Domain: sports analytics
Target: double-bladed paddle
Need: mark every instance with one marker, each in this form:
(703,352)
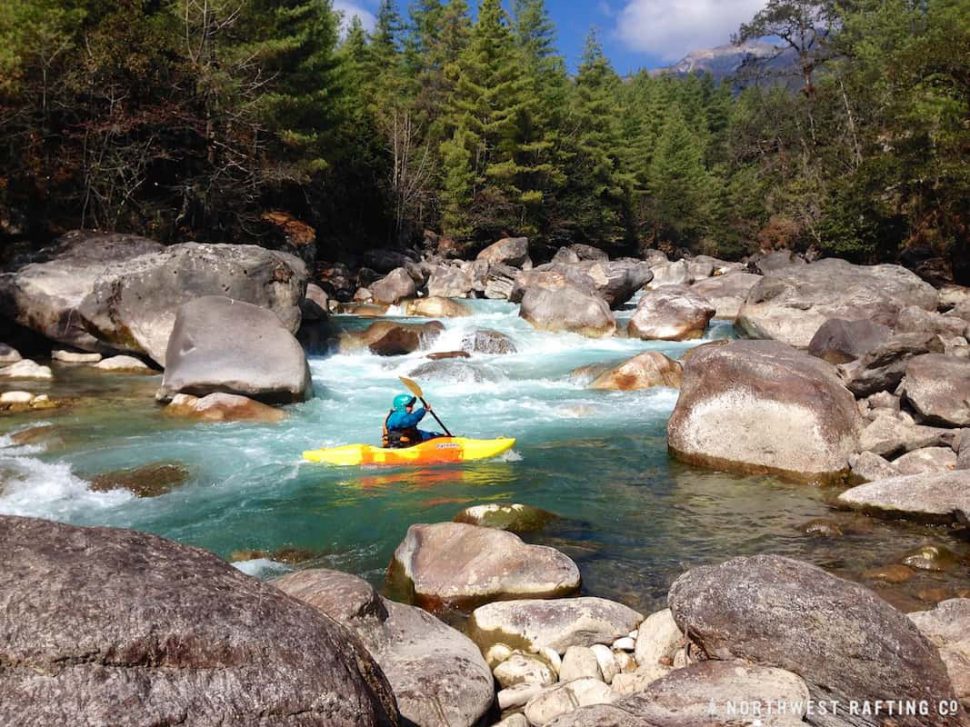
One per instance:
(413,387)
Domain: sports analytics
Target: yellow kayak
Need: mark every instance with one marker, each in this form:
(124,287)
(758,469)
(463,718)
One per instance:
(434,451)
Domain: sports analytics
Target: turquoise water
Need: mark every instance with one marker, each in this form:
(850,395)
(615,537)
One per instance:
(632,518)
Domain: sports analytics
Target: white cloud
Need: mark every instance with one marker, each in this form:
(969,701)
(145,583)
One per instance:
(672,28)
(349,10)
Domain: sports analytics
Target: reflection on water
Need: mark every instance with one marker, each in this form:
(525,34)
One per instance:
(632,518)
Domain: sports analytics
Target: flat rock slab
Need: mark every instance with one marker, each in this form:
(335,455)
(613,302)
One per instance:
(437,674)
(109,626)
(531,624)
(708,694)
(843,640)
(453,565)
(764,407)
(943,497)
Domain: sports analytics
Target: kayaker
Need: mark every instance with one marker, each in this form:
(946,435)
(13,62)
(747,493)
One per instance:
(401,423)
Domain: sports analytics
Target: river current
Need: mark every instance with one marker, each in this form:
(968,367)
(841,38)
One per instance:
(631,517)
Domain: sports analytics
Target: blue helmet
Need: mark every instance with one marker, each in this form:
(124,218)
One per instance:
(402,401)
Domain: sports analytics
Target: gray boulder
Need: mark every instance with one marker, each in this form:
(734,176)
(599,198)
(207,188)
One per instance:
(889,435)
(8,354)
(670,273)
(394,287)
(671,313)
(512,251)
(938,389)
(567,308)
(926,461)
(843,640)
(498,281)
(614,281)
(726,292)
(839,341)
(792,303)
(560,623)
(485,340)
(762,406)
(450,281)
(133,303)
(917,320)
(437,674)
(940,498)
(769,262)
(45,296)
(869,467)
(107,626)
(224,345)
(453,565)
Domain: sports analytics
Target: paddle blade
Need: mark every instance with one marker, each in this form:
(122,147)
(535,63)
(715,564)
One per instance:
(412,386)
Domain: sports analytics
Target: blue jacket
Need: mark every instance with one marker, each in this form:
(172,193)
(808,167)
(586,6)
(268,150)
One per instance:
(400,420)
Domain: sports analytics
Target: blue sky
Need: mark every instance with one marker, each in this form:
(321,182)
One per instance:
(634,33)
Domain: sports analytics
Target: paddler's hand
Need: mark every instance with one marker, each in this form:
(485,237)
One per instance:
(428,407)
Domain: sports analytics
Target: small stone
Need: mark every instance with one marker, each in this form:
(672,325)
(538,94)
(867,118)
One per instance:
(518,696)
(625,663)
(607,664)
(638,680)
(625,644)
(633,634)
(659,637)
(496,654)
(823,528)
(931,558)
(524,669)
(895,573)
(16,397)
(8,354)
(580,663)
(552,658)
(26,369)
(124,363)
(514,720)
(75,356)
(566,697)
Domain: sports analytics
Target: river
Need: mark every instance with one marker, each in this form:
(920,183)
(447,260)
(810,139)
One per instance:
(631,517)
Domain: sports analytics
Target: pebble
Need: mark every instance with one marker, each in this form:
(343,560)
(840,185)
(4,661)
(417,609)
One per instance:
(580,663)
(496,654)
(518,696)
(16,397)
(75,356)
(552,657)
(624,662)
(625,644)
(607,664)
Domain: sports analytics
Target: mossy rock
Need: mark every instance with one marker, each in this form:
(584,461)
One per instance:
(515,518)
(935,558)
(149,481)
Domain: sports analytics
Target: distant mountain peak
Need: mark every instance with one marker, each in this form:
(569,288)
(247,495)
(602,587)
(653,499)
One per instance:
(725,60)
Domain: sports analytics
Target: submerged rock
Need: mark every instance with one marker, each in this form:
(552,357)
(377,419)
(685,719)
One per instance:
(150,480)
(936,558)
(644,371)
(437,674)
(531,624)
(514,517)
(26,369)
(227,346)
(485,340)
(456,370)
(222,407)
(386,338)
(842,639)
(457,566)
(763,407)
(99,619)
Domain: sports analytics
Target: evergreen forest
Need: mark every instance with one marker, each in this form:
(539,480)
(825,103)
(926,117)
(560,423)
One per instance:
(213,120)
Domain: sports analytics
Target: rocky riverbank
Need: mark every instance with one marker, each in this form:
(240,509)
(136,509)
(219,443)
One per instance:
(857,376)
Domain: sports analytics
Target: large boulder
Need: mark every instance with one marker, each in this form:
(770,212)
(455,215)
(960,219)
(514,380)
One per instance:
(643,371)
(842,639)
(106,626)
(670,273)
(453,565)
(839,341)
(387,338)
(532,624)
(509,251)
(450,281)
(671,313)
(567,308)
(943,497)
(614,281)
(792,303)
(133,303)
(727,292)
(224,345)
(762,406)
(393,287)
(437,674)
(938,388)
(485,340)
(45,296)
(948,628)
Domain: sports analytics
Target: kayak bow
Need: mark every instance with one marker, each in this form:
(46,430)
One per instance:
(435,451)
